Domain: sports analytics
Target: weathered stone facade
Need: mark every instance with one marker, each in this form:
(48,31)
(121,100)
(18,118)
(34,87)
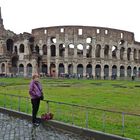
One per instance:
(95,51)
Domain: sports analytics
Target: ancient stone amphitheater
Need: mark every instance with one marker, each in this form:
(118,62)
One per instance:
(95,52)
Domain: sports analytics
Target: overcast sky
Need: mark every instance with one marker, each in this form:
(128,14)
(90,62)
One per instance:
(23,15)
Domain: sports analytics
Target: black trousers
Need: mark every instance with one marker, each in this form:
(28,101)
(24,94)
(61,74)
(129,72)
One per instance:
(35,107)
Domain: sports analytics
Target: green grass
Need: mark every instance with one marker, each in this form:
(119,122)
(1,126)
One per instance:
(116,95)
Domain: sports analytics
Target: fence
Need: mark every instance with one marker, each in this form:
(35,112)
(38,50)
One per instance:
(119,123)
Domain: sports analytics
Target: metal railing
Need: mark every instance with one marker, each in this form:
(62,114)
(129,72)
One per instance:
(120,123)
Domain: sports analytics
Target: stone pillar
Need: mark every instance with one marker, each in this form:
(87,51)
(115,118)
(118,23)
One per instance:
(132,55)
(125,72)
(57,50)
(48,68)
(93,51)
(118,53)
(56,69)
(66,51)
(125,55)
(74,68)
(75,51)
(102,72)
(25,71)
(34,66)
(66,67)
(102,52)
(118,71)
(84,51)
(110,71)
(84,70)
(110,52)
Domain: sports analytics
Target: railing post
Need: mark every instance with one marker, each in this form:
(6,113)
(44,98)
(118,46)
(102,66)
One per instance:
(26,105)
(104,118)
(11,101)
(123,120)
(86,118)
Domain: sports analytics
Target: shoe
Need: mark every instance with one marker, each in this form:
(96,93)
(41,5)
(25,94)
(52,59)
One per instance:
(36,124)
(38,120)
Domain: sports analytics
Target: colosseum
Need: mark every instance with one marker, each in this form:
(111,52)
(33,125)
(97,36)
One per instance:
(53,51)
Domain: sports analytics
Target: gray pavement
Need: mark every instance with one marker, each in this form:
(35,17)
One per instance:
(17,129)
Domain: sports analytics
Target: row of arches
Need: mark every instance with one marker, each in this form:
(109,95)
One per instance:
(89,69)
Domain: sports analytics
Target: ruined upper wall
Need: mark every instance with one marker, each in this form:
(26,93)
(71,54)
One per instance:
(100,33)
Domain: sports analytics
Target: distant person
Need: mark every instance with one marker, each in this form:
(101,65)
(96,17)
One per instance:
(35,91)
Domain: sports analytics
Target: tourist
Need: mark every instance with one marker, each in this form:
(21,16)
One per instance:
(35,91)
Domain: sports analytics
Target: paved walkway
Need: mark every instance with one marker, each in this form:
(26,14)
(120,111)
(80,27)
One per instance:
(16,129)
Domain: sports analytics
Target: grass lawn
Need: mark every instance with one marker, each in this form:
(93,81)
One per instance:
(116,95)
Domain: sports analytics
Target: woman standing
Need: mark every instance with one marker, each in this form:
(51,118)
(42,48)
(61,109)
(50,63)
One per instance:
(35,91)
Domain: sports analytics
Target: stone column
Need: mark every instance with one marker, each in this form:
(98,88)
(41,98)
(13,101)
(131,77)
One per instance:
(125,55)
(102,71)
(110,71)
(102,52)
(74,68)
(118,53)
(66,67)
(25,71)
(132,55)
(84,51)
(48,68)
(93,51)
(66,51)
(57,50)
(118,71)
(56,69)
(75,51)
(110,52)
(84,70)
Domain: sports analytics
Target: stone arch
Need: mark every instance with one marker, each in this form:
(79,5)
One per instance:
(80,69)
(21,69)
(129,70)
(14,64)
(128,53)
(44,48)
(114,52)
(122,53)
(21,48)
(29,69)
(106,51)
(53,39)
(98,51)
(114,71)
(53,50)
(61,69)
(9,45)
(70,49)
(122,71)
(88,51)
(52,70)
(98,71)
(89,69)
(61,50)
(44,68)
(3,68)
(135,71)
(106,71)
(80,50)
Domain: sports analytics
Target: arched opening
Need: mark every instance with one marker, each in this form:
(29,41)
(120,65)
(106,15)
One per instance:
(106,51)
(53,50)
(80,69)
(61,69)
(128,53)
(121,42)
(106,71)
(44,48)
(129,71)
(88,40)
(122,53)
(98,50)
(88,51)
(21,48)
(3,68)
(98,71)
(44,69)
(80,50)
(114,72)
(14,65)
(70,69)
(135,54)
(135,71)
(114,52)
(29,69)
(15,48)
(70,50)
(37,49)
(21,69)
(52,70)
(9,45)
(89,70)
(122,71)
(53,39)
(61,50)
